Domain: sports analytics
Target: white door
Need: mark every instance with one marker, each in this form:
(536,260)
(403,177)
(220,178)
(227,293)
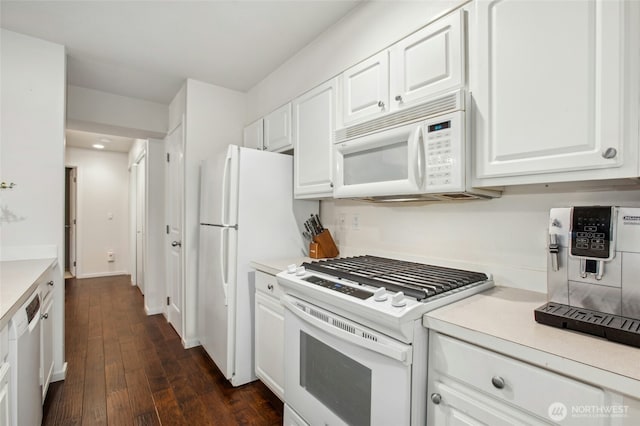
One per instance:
(365,89)
(140,221)
(46,346)
(175,207)
(428,62)
(313,127)
(73,197)
(253,135)
(546,85)
(277,129)
(269,342)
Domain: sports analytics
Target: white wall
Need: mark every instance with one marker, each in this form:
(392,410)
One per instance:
(103,191)
(506,236)
(100,112)
(32,155)
(366,30)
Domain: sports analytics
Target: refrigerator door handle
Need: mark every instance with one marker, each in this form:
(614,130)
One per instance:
(224,254)
(226,189)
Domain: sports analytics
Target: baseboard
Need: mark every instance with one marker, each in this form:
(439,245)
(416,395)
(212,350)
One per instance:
(154,311)
(59,375)
(191,343)
(102,274)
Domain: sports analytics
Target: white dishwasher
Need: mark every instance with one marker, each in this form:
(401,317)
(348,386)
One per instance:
(24,359)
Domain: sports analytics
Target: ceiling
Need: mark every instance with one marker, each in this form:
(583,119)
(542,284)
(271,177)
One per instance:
(80,139)
(146,49)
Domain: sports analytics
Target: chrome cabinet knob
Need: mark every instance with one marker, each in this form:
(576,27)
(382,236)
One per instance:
(381,104)
(50,283)
(436,398)
(497,382)
(399,98)
(610,153)
(45,316)
(176,244)
(270,287)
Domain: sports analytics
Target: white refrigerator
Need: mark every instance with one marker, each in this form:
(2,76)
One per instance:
(247,212)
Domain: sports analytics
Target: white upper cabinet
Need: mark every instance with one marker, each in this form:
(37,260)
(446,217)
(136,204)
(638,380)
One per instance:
(277,129)
(253,135)
(554,90)
(313,126)
(365,89)
(428,62)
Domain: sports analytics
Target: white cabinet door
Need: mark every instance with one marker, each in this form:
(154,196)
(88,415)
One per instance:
(5,414)
(46,346)
(269,335)
(365,89)
(253,135)
(547,85)
(429,61)
(313,132)
(277,129)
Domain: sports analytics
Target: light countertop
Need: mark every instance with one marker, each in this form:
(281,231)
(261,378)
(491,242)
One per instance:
(18,280)
(501,319)
(274,266)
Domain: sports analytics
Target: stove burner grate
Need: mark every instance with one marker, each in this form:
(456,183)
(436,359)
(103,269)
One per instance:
(416,280)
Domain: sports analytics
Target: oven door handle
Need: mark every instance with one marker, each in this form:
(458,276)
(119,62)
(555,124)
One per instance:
(396,351)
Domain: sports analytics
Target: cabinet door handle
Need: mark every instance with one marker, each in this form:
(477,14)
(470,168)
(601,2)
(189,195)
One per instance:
(176,244)
(45,316)
(381,104)
(270,287)
(497,382)
(436,398)
(610,153)
(398,98)
(50,283)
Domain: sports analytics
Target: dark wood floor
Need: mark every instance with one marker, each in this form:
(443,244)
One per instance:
(126,368)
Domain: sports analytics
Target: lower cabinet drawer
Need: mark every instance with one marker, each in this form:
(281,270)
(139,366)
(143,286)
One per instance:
(268,284)
(529,388)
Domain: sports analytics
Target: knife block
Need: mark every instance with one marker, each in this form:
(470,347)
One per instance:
(323,246)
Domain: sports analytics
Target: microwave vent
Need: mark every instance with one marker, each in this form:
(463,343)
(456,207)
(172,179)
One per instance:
(450,102)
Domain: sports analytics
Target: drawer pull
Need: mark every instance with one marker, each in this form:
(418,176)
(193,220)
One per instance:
(497,382)
(436,398)
(270,287)
(50,283)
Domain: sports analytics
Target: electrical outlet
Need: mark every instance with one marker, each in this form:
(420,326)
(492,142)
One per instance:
(355,222)
(111,257)
(342,222)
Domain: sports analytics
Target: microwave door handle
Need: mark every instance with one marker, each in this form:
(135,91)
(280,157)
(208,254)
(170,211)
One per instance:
(417,140)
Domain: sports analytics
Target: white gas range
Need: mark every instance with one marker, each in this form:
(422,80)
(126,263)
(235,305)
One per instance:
(354,337)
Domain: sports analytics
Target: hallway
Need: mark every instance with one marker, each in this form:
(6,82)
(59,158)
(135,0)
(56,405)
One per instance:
(126,368)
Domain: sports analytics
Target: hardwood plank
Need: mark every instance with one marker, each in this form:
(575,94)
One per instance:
(125,367)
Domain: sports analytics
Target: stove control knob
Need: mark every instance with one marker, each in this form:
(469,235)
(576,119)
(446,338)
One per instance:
(398,300)
(300,271)
(380,295)
(291,269)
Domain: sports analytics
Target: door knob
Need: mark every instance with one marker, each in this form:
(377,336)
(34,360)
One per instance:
(176,244)
(436,398)
(610,153)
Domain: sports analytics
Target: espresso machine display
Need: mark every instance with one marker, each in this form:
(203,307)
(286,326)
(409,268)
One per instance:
(593,272)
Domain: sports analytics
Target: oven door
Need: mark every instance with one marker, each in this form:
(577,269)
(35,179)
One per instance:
(341,373)
(386,163)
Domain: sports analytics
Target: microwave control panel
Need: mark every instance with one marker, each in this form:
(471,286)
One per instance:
(592,232)
(444,152)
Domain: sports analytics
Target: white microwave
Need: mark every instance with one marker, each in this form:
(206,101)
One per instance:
(423,160)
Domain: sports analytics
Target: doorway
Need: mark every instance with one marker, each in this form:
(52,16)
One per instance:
(70,221)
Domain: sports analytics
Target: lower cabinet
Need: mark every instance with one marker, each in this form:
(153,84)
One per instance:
(269,333)
(46,345)
(4,393)
(469,385)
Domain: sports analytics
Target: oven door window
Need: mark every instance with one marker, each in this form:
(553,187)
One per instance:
(340,383)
